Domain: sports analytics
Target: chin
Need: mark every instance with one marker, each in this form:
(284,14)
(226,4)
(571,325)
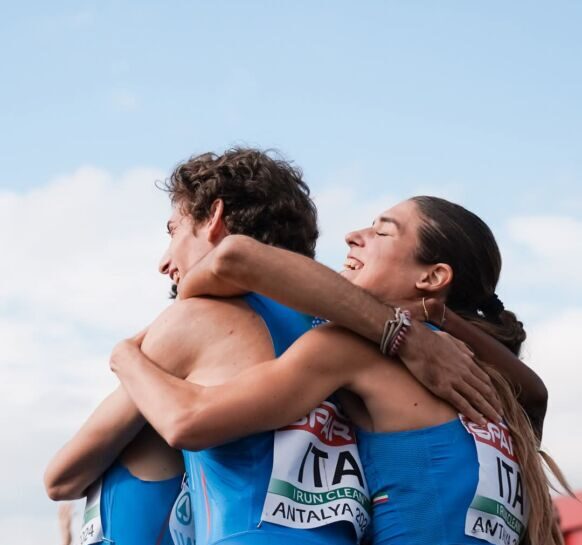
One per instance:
(350,275)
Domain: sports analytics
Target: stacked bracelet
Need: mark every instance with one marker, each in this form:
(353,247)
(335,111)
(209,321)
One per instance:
(395,332)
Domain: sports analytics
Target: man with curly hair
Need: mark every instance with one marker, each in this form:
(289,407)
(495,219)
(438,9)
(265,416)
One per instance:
(242,191)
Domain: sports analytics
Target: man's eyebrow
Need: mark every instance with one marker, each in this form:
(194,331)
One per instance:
(386,219)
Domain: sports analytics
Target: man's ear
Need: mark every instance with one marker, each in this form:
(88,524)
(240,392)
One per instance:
(435,278)
(216,227)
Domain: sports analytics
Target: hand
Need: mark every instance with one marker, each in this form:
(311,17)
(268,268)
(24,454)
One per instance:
(204,277)
(124,351)
(446,366)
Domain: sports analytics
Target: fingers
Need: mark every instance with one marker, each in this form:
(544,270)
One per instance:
(465,408)
(474,384)
(480,381)
(478,402)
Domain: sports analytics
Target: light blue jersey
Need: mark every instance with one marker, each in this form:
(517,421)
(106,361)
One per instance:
(422,483)
(136,512)
(231,480)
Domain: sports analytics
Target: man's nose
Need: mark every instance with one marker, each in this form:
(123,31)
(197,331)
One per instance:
(164,266)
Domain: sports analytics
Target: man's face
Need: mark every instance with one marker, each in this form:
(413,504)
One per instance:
(188,245)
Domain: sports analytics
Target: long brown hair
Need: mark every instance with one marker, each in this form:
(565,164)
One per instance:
(451,234)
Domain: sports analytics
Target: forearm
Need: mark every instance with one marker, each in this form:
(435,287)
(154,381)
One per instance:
(299,282)
(263,397)
(162,398)
(93,448)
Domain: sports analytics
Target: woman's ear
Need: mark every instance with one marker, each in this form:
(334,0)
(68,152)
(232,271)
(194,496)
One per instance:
(435,278)
(216,227)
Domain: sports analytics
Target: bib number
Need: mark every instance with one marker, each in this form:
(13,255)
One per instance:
(317,476)
(182,518)
(92,530)
(499,511)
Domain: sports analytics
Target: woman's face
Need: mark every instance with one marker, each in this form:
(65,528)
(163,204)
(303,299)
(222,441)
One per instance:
(382,259)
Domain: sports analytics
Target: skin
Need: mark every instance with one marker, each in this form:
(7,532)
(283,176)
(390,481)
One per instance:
(192,338)
(379,394)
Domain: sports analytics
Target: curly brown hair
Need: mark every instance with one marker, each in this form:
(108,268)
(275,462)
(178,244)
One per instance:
(264,196)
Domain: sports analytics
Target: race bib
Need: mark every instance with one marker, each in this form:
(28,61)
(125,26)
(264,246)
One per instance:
(317,476)
(92,531)
(499,511)
(182,517)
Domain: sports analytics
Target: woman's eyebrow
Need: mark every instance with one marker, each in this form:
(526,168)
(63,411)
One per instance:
(387,219)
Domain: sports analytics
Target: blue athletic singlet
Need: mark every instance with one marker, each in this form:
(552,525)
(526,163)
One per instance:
(231,481)
(421,483)
(136,512)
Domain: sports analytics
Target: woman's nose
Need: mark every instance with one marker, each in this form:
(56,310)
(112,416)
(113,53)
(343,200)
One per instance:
(355,238)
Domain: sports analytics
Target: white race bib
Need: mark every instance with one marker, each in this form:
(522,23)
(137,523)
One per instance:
(92,530)
(317,476)
(182,518)
(499,511)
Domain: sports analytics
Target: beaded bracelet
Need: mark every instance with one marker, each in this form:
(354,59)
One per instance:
(395,332)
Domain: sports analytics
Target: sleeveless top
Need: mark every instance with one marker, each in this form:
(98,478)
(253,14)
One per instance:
(135,512)
(230,481)
(422,483)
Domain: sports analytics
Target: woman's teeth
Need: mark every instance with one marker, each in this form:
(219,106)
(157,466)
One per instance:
(353,264)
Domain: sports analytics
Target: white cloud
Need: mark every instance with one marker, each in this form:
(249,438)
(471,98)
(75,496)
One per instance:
(545,250)
(82,244)
(80,273)
(553,351)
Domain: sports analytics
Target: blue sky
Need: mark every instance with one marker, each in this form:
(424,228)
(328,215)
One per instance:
(485,94)
(475,101)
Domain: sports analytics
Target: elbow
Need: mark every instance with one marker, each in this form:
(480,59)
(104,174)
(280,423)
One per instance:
(62,493)
(539,399)
(62,489)
(183,432)
(536,408)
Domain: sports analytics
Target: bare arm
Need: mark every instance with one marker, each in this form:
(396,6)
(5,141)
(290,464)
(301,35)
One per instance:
(241,264)
(93,448)
(112,426)
(191,416)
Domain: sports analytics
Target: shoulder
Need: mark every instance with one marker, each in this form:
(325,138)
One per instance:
(197,311)
(187,325)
